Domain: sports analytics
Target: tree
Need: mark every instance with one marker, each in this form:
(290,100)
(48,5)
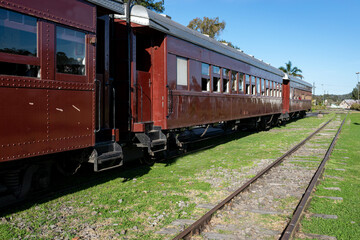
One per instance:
(150,4)
(354,93)
(294,71)
(209,26)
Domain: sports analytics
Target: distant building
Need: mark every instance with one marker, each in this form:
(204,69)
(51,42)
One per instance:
(347,103)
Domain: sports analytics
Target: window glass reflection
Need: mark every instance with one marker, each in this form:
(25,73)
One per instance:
(233,81)
(18,33)
(216,70)
(241,78)
(15,69)
(70,51)
(205,69)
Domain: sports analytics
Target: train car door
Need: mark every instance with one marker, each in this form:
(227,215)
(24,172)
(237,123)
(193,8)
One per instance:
(143,77)
(104,82)
(143,92)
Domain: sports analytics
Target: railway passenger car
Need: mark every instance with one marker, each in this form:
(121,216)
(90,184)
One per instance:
(81,83)
(183,78)
(51,53)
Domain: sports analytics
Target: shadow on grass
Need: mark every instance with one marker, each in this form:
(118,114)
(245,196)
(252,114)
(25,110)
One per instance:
(86,178)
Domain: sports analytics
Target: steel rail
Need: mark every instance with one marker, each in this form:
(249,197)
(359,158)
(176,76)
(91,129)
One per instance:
(291,228)
(198,226)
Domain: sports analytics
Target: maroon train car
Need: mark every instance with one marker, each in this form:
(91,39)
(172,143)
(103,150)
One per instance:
(300,96)
(48,68)
(182,78)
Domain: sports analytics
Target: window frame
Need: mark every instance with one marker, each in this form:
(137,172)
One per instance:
(241,83)
(247,84)
(225,77)
(253,85)
(262,91)
(207,77)
(183,87)
(23,59)
(235,82)
(68,77)
(219,81)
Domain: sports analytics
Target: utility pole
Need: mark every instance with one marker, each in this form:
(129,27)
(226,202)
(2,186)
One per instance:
(314,87)
(358,83)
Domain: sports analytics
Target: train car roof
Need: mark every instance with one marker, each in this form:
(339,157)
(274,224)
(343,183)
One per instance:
(115,6)
(297,80)
(145,17)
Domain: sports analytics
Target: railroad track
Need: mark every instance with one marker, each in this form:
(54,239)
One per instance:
(262,207)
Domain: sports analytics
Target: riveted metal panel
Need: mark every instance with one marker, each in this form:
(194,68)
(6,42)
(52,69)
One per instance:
(40,121)
(23,120)
(70,114)
(78,14)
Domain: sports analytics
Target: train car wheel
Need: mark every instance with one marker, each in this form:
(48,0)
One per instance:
(148,160)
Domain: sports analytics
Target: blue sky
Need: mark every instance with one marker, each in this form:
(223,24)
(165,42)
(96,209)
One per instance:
(321,37)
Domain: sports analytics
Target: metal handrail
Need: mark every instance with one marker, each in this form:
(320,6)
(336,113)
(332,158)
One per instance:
(99,107)
(170,102)
(141,106)
(141,103)
(114,107)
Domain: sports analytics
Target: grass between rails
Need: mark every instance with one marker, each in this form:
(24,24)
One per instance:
(135,203)
(345,156)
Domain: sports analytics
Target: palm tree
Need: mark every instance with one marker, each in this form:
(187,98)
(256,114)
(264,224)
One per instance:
(291,70)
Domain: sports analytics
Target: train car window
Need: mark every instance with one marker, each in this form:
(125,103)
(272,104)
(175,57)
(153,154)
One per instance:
(18,36)
(182,71)
(241,81)
(271,85)
(253,82)
(216,84)
(216,79)
(263,87)
(247,84)
(18,33)
(15,69)
(226,80)
(205,84)
(205,69)
(70,51)
(280,90)
(258,80)
(234,80)
(216,70)
(205,78)
(267,92)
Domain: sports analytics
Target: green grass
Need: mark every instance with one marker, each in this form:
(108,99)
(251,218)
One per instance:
(136,198)
(347,226)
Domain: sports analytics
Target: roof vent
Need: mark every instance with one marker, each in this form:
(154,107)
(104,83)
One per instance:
(164,15)
(225,43)
(251,55)
(207,35)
